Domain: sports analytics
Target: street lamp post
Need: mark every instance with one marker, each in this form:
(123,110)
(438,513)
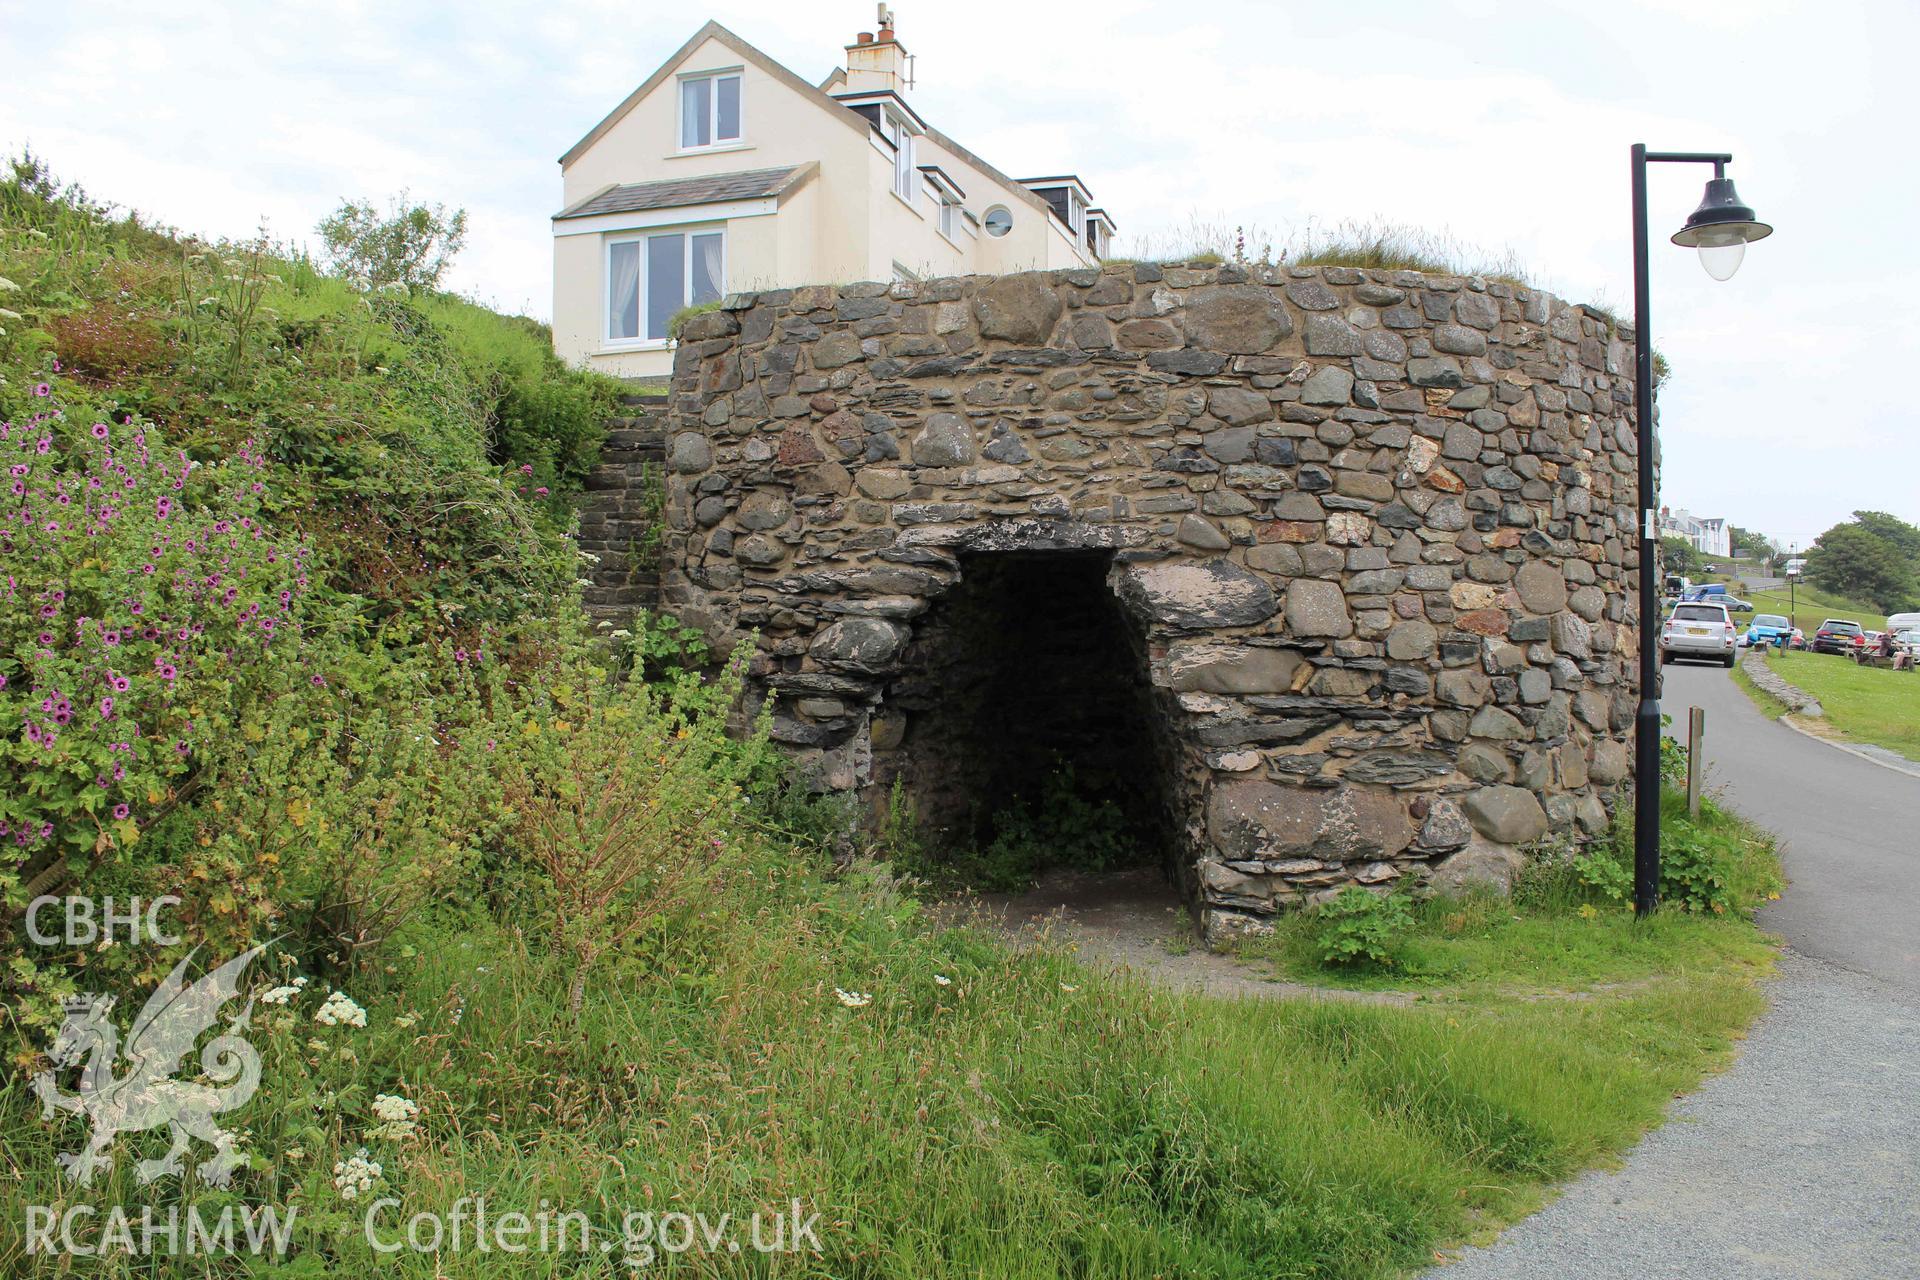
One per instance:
(1720,229)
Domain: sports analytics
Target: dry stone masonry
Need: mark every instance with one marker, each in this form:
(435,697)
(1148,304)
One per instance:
(1337,563)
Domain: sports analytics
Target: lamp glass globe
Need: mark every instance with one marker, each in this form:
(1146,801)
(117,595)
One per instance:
(1722,260)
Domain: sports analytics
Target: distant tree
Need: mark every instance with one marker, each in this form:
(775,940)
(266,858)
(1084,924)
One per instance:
(1677,555)
(411,246)
(1904,537)
(1851,560)
(1757,545)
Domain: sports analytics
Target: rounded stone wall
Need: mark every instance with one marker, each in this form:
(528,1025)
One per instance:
(1372,533)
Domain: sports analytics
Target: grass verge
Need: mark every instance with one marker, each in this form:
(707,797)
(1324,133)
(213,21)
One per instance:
(1768,705)
(1868,704)
(1569,926)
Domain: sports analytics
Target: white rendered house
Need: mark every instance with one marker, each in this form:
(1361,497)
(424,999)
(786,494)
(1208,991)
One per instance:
(726,172)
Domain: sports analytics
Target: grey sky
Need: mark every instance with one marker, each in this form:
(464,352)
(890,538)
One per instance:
(1502,123)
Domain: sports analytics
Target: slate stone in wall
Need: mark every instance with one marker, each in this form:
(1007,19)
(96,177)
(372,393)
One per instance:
(1198,596)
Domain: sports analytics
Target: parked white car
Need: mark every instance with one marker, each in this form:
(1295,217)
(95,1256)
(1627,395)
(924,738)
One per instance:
(1698,629)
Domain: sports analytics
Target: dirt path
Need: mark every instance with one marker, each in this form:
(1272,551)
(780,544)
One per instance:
(1133,920)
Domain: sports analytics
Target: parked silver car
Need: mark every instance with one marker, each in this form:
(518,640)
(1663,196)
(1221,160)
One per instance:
(1698,629)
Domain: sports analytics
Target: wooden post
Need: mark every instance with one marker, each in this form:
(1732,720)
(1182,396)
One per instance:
(1696,767)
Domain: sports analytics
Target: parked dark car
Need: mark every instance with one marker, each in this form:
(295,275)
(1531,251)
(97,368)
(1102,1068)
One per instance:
(1837,635)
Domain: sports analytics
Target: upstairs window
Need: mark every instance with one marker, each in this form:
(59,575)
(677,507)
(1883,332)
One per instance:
(709,111)
(650,277)
(905,176)
(949,217)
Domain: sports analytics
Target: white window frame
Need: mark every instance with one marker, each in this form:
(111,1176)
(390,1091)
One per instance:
(687,231)
(1076,212)
(906,176)
(949,220)
(712,79)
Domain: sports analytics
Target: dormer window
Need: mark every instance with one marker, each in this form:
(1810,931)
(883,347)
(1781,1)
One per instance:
(709,111)
(905,176)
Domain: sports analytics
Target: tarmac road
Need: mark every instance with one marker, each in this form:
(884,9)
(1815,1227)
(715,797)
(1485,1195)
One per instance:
(1803,1159)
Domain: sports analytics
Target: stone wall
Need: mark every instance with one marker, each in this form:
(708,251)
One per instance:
(1371,533)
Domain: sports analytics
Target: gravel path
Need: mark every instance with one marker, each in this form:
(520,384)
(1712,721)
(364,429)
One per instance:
(1803,1159)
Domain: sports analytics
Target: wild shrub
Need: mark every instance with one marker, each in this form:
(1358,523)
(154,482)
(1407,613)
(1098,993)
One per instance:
(148,608)
(620,800)
(350,813)
(409,248)
(1357,928)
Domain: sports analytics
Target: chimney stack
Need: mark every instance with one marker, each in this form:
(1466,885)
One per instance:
(878,62)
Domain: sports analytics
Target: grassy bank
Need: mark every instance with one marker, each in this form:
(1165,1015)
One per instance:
(1031,1118)
(1808,608)
(950,1108)
(1868,704)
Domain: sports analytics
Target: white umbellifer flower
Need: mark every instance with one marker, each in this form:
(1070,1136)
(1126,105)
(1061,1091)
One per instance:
(8,286)
(943,979)
(355,1174)
(406,1020)
(1066,987)
(280,995)
(853,999)
(340,1010)
(397,1115)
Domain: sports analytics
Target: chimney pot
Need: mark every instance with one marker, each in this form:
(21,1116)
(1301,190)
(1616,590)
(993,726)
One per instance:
(865,37)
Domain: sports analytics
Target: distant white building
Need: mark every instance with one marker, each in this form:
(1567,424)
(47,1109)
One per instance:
(1710,535)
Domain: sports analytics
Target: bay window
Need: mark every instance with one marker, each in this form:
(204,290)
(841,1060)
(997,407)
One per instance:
(709,111)
(651,276)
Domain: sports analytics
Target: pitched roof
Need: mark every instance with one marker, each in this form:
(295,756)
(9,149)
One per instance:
(713,30)
(672,193)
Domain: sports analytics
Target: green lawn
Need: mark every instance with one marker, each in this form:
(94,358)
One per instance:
(1809,608)
(1872,704)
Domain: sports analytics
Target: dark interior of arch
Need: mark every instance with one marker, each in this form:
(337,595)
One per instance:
(1025,674)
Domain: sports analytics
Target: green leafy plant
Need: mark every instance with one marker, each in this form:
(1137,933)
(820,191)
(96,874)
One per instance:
(620,801)
(1356,927)
(1673,756)
(1696,869)
(678,320)
(1063,826)
(409,247)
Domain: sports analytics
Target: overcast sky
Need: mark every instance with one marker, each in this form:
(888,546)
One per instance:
(1501,123)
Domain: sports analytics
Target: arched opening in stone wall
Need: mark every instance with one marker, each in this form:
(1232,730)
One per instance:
(1028,725)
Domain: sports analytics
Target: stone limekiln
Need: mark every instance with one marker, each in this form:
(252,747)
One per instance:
(1325,572)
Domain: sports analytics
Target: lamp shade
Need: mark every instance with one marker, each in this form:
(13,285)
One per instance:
(1721,228)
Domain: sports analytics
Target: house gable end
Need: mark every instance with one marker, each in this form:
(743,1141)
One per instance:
(747,53)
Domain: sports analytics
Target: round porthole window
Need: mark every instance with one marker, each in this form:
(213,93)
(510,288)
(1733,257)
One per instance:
(998,221)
